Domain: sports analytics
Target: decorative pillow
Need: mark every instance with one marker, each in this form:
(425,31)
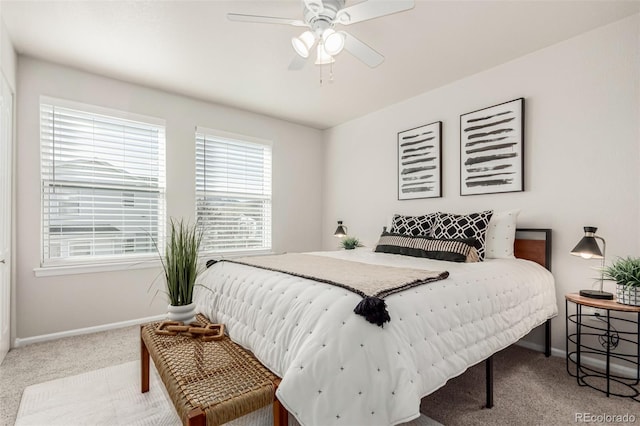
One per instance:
(394,243)
(443,249)
(474,225)
(472,257)
(413,225)
(501,235)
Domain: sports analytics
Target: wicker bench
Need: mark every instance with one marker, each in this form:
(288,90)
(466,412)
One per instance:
(210,383)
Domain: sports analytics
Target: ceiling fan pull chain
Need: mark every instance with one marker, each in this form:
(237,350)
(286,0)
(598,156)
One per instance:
(330,73)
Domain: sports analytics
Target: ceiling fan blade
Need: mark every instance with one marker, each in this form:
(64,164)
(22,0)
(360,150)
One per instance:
(372,9)
(297,63)
(361,51)
(265,19)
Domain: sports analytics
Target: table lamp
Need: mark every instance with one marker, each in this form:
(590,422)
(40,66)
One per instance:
(341,231)
(588,248)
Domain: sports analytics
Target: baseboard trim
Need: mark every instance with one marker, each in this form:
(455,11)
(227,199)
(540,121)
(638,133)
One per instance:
(620,370)
(18,342)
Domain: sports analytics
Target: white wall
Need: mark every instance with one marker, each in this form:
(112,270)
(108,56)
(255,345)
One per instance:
(8,56)
(582,153)
(8,61)
(50,304)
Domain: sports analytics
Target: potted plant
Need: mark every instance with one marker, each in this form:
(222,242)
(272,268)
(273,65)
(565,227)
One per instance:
(180,268)
(626,273)
(349,243)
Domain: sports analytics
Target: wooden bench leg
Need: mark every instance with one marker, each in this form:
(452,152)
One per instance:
(196,417)
(144,364)
(280,414)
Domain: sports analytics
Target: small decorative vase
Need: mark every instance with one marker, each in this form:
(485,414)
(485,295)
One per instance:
(628,295)
(184,313)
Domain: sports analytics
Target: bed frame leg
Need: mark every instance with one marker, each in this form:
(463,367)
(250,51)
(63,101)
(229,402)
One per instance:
(489,381)
(547,338)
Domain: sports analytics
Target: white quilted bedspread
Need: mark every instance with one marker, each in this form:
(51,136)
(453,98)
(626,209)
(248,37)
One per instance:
(337,368)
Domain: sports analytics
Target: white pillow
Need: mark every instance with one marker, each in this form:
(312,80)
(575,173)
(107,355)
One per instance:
(501,235)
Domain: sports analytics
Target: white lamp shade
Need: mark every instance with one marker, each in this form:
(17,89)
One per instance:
(303,43)
(322,57)
(333,41)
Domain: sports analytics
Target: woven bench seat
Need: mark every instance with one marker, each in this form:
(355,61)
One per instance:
(210,383)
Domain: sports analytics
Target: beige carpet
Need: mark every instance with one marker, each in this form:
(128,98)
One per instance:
(111,397)
(529,388)
(41,362)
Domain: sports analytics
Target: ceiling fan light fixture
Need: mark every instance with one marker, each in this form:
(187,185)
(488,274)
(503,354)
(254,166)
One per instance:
(322,57)
(303,43)
(320,17)
(333,41)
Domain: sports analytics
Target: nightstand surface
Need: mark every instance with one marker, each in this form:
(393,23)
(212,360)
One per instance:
(600,303)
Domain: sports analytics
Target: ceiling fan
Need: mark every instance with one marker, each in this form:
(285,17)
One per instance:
(321,17)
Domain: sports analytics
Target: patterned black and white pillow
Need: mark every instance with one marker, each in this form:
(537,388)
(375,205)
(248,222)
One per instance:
(413,225)
(472,225)
(438,249)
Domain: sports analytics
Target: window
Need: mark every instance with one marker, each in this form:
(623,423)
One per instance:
(128,199)
(233,191)
(103,183)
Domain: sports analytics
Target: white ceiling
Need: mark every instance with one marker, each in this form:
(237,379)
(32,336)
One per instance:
(189,47)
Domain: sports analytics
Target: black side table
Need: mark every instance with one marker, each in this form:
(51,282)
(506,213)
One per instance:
(603,329)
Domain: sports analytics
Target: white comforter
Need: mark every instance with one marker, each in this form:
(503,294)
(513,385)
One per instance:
(337,368)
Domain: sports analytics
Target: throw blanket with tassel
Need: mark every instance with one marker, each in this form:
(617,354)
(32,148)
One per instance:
(372,282)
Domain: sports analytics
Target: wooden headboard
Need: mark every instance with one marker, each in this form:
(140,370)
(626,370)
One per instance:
(534,244)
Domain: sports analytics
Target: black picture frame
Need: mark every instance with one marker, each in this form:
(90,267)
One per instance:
(420,162)
(492,149)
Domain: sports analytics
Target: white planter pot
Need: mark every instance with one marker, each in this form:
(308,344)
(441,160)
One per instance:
(185,313)
(628,295)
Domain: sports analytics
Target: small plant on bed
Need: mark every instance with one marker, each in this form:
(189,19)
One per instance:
(180,268)
(349,243)
(626,273)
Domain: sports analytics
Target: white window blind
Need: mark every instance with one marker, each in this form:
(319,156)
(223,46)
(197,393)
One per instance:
(103,184)
(233,192)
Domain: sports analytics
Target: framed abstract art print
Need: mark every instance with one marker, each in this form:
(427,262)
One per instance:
(492,149)
(420,162)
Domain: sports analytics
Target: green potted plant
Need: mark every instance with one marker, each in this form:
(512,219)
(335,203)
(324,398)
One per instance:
(349,243)
(180,269)
(626,273)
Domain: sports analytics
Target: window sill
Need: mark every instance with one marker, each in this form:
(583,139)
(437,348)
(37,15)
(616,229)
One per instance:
(50,271)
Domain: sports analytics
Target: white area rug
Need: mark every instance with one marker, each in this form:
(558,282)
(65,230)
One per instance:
(111,396)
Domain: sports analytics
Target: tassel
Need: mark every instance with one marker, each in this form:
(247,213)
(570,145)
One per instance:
(374,310)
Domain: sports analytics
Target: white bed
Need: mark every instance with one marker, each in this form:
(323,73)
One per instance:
(337,368)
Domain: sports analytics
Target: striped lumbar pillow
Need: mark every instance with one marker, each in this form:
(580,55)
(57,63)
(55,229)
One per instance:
(451,250)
